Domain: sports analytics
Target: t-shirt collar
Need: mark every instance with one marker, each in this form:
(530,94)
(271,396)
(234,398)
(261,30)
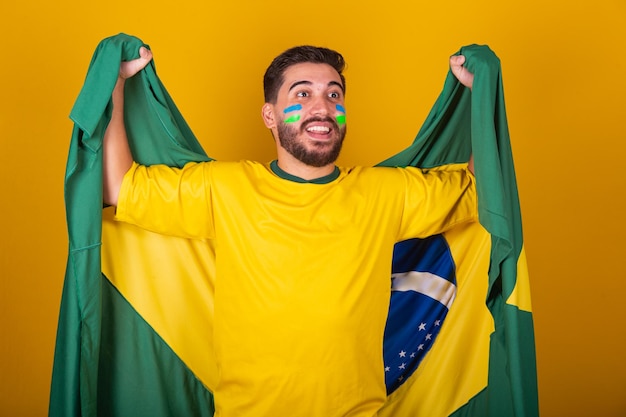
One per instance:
(287,176)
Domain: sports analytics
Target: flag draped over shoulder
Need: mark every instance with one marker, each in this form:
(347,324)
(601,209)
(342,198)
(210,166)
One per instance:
(109,360)
(483,362)
(135,327)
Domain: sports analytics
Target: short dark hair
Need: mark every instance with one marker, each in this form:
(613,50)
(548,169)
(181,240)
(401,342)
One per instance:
(274,75)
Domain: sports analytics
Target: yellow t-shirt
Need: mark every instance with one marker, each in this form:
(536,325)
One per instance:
(303,270)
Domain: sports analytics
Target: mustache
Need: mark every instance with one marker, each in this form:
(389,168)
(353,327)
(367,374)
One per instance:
(314,119)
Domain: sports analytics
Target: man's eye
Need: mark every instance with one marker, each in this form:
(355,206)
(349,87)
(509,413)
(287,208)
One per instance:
(302,94)
(333,95)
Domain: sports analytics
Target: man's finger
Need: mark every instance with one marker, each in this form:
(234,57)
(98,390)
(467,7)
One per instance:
(457,60)
(130,68)
(145,53)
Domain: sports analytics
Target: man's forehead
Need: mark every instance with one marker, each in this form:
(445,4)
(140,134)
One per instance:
(311,73)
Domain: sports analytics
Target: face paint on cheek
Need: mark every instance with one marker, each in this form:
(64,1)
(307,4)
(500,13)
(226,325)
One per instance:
(294,117)
(341,118)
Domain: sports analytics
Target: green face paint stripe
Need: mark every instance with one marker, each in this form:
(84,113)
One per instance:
(293,118)
(341,118)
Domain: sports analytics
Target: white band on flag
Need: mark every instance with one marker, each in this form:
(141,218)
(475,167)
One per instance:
(425,283)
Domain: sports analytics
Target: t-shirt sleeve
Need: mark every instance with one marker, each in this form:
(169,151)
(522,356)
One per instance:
(437,199)
(166,200)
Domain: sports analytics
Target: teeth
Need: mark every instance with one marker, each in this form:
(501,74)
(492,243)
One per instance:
(320,129)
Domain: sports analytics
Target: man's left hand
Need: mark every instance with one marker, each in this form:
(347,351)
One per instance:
(460,72)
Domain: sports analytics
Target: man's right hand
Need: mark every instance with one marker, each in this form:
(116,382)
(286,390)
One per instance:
(130,68)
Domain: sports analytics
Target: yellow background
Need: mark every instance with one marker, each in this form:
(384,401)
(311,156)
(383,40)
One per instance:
(564,68)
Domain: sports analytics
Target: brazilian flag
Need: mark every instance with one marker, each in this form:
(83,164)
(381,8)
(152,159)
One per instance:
(132,341)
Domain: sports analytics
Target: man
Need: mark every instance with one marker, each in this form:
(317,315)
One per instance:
(303,247)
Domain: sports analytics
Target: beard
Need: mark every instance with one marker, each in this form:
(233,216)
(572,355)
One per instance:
(316,154)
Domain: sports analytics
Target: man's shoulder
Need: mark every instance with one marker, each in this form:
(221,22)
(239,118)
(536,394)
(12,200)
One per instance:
(383,177)
(371,171)
(230,169)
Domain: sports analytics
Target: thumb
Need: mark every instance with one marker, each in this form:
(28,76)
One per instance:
(132,67)
(145,53)
(460,72)
(457,60)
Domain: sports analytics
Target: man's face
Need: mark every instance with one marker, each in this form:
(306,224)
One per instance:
(309,114)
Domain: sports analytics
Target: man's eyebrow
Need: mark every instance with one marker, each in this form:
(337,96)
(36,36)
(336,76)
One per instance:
(297,83)
(305,82)
(338,84)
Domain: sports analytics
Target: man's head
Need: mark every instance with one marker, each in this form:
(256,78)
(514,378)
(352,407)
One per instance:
(304,93)
(274,75)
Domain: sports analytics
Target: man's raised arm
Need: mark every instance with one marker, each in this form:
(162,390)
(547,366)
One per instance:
(467,79)
(117,158)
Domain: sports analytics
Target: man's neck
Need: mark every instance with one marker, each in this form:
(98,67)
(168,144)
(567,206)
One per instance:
(297,168)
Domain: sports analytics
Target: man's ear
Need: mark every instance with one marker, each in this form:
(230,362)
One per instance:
(267,111)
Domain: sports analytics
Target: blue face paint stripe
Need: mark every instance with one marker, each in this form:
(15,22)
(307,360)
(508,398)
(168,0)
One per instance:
(295,107)
(340,108)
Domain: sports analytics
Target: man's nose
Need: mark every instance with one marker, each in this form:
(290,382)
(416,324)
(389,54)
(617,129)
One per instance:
(320,107)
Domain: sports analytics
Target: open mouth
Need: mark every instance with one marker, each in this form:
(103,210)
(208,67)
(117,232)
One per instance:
(319,129)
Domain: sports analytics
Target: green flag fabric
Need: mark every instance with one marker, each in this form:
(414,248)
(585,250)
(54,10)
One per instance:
(460,123)
(130,343)
(105,355)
